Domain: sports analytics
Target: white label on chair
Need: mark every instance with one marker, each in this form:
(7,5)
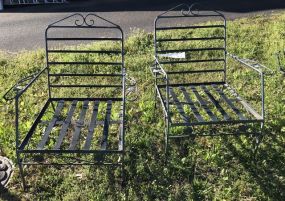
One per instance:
(176,55)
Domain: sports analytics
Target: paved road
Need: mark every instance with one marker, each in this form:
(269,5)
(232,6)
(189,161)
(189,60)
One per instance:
(23,27)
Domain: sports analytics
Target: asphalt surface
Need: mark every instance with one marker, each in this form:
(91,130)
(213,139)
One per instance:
(22,28)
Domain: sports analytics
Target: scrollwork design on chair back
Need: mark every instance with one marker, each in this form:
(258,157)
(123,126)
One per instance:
(87,20)
(191,10)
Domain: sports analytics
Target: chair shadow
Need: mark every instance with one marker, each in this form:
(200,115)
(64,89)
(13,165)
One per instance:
(268,175)
(5,194)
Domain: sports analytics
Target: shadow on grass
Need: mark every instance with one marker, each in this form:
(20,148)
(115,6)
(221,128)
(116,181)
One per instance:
(6,195)
(267,170)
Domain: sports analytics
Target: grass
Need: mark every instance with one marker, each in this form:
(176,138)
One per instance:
(219,168)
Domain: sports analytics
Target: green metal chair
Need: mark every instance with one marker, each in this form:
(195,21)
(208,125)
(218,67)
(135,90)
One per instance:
(82,119)
(191,77)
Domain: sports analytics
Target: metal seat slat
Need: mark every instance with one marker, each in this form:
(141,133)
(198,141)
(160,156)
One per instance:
(92,126)
(191,104)
(179,106)
(51,125)
(203,104)
(229,102)
(65,125)
(76,135)
(104,140)
(246,105)
(216,103)
(106,126)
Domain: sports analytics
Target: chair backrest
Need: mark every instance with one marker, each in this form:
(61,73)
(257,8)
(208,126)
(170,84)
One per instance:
(195,51)
(85,57)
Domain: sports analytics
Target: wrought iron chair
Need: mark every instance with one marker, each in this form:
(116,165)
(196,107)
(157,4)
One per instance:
(82,121)
(191,79)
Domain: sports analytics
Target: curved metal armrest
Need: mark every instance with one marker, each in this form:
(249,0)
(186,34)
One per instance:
(258,68)
(22,85)
(250,63)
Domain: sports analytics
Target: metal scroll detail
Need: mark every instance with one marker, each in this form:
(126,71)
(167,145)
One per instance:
(88,20)
(191,10)
(84,20)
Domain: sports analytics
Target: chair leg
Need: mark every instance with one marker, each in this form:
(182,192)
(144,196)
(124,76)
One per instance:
(155,100)
(166,134)
(21,172)
(155,106)
(123,184)
(258,140)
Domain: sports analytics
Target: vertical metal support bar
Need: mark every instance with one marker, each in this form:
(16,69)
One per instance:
(17,122)
(155,36)
(124,90)
(166,130)
(262,95)
(47,59)
(155,63)
(123,117)
(167,116)
(124,108)
(225,51)
(18,142)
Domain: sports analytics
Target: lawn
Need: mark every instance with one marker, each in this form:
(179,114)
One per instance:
(204,168)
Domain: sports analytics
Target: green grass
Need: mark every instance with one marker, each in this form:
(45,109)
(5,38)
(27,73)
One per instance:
(219,168)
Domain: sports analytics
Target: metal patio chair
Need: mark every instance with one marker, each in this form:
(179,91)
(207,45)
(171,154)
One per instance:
(82,120)
(191,79)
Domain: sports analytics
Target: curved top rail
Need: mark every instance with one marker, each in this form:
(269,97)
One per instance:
(192,10)
(81,20)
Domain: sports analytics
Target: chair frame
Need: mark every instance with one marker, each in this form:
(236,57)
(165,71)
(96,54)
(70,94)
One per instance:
(16,91)
(170,99)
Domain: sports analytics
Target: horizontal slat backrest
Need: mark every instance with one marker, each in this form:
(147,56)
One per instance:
(84,59)
(187,48)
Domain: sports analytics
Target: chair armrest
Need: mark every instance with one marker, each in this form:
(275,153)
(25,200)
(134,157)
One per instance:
(158,68)
(258,68)
(249,63)
(22,85)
